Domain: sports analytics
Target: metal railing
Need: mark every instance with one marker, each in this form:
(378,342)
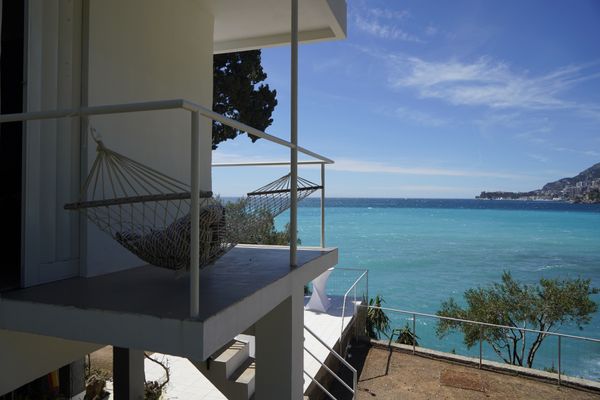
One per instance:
(341,359)
(483,326)
(196,111)
(322,163)
(352,288)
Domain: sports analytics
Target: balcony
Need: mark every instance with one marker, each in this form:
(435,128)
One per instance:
(148,307)
(153,309)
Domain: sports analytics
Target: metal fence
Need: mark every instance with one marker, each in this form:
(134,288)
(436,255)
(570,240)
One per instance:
(553,343)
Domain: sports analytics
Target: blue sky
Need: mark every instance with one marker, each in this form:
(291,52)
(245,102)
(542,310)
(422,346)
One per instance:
(438,99)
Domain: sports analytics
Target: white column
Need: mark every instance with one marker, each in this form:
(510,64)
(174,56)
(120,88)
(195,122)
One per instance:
(279,350)
(294,138)
(195,215)
(128,373)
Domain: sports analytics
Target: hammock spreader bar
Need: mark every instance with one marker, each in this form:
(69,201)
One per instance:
(148,212)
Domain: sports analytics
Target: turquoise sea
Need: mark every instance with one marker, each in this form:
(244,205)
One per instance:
(422,251)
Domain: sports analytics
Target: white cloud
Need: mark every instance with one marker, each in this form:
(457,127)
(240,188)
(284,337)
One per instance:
(538,157)
(588,153)
(350,165)
(419,117)
(362,166)
(375,27)
(431,30)
(486,82)
(387,13)
(383,23)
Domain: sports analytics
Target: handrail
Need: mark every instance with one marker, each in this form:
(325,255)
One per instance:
(154,106)
(269,163)
(481,325)
(366,272)
(195,110)
(332,397)
(340,358)
(340,380)
(589,339)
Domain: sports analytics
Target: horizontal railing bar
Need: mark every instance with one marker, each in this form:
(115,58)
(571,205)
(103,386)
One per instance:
(485,324)
(340,380)
(153,106)
(268,163)
(96,110)
(336,355)
(332,397)
(349,269)
(253,131)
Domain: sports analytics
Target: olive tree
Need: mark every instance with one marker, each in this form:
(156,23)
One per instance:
(545,307)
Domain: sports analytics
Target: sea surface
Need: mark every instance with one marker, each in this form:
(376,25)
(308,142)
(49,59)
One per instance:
(420,252)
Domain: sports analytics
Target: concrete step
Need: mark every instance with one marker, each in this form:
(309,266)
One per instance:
(229,358)
(231,370)
(244,379)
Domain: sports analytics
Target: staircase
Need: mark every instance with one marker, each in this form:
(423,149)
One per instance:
(231,370)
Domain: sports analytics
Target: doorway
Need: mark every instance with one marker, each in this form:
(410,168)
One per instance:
(11,138)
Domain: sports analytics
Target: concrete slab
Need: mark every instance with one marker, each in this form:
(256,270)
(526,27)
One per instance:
(148,307)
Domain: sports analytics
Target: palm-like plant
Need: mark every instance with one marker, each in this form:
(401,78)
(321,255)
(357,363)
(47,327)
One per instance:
(378,322)
(406,336)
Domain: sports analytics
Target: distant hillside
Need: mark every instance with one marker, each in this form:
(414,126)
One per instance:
(585,178)
(583,188)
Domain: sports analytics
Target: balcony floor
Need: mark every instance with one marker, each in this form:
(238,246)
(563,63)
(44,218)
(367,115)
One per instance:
(149,306)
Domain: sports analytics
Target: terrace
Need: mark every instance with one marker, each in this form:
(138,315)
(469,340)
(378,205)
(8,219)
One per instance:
(399,374)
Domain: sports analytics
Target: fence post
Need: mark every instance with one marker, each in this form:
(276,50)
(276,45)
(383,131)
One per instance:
(559,377)
(414,332)
(322,204)
(524,343)
(480,345)
(367,286)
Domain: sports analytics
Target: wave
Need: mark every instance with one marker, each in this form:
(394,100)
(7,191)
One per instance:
(549,267)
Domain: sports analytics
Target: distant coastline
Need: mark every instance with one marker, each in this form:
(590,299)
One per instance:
(583,188)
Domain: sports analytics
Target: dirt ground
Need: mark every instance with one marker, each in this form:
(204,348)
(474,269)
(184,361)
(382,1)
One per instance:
(102,360)
(396,375)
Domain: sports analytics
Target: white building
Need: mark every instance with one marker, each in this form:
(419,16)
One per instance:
(66,288)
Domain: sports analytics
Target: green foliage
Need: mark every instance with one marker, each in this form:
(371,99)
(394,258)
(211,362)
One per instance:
(544,307)
(249,228)
(406,336)
(378,322)
(551,369)
(239,94)
(307,291)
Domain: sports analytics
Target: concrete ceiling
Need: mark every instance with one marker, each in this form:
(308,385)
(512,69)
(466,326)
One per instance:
(251,24)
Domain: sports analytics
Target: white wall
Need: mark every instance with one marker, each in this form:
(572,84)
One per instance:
(138,50)
(51,245)
(142,50)
(26,357)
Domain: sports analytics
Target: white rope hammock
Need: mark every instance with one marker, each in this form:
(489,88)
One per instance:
(148,212)
(275,197)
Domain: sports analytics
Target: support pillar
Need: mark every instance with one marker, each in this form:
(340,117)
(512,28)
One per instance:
(279,350)
(72,379)
(128,373)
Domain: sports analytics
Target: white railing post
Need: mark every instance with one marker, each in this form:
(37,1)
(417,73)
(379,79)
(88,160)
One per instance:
(559,366)
(480,346)
(414,332)
(323,205)
(294,139)
(195,216)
